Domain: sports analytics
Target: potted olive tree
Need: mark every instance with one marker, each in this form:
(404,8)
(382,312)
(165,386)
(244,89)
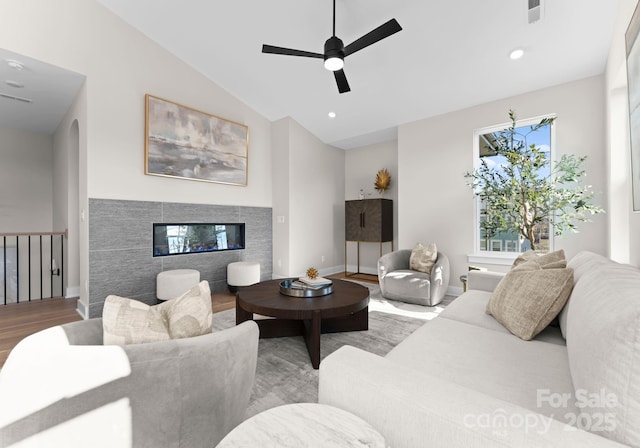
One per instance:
(518,196)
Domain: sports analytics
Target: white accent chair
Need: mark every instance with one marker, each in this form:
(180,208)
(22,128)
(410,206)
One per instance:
(399,282)
(63,387)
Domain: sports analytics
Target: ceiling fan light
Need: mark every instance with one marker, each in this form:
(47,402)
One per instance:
(333,63)
(516,54)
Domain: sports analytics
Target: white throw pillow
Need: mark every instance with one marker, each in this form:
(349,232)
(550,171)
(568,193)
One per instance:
(190,314)
(127,321)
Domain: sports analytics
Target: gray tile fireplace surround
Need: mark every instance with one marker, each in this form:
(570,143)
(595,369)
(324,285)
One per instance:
(120,246)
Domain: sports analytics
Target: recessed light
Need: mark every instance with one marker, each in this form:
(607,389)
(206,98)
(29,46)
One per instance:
(516,54)
(332,115)
(16,84)
(16,65)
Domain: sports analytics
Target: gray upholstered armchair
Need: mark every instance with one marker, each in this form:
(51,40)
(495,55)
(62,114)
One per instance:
(62,387)
(399,282)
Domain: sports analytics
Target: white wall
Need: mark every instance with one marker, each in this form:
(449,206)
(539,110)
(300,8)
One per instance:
(121,66)
(435,204)
(309,195)
(361,166)
(67,191)
(280,148)
(26,181)
(60,171)
(317,203)
(624,223)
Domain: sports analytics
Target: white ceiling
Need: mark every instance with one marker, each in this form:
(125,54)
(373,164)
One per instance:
(51,90)
(450,55)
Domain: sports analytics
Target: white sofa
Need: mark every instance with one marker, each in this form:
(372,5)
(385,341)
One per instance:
(463,380)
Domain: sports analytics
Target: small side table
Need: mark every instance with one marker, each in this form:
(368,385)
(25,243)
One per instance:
(463,279)
(303,425)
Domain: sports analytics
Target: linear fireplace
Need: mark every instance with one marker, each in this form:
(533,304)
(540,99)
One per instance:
(181,238)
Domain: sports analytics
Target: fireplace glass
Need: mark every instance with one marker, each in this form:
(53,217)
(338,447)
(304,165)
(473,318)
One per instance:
(177,239)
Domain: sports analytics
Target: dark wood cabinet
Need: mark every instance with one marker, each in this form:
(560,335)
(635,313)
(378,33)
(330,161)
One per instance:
(369,220)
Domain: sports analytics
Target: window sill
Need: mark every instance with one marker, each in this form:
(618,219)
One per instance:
(497,258)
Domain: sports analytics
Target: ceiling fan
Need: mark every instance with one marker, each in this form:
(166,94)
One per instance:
(335,51)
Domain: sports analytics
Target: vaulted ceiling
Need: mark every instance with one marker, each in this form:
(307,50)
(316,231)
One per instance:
(450,54)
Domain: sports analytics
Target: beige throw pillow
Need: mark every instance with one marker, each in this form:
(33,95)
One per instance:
(551,260)
(423,257)
(190,314)
(530,296)
(127,321)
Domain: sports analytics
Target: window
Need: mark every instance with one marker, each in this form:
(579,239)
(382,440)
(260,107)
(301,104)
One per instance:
(488,239)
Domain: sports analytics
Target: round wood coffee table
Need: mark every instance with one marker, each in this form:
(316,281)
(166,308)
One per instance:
(345,309)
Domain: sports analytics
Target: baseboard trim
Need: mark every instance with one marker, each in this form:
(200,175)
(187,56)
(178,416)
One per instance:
(330,271)
(81,309)
(324,272)
(352,268)
(72,291)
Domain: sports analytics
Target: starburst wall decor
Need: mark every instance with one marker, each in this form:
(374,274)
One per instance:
(383,181)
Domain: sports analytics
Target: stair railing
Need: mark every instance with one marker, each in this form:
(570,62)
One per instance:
(31,266)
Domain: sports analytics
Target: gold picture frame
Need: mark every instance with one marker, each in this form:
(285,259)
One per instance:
(187,143)
(632,41)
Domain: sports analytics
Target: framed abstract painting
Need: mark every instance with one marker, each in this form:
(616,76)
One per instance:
(186,143)
(633,83)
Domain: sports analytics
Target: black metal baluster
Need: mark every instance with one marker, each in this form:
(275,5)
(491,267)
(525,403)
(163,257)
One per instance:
(41,293)
(4,266)
(29,241)
(51,265)
(17,269)
(62,266)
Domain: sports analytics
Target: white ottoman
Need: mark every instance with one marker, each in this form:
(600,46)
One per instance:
(171,284)
(242,273)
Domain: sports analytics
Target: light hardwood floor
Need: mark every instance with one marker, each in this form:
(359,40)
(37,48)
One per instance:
(369,278)
(18,321)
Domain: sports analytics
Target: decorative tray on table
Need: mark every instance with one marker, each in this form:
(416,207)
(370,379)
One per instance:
(301,288)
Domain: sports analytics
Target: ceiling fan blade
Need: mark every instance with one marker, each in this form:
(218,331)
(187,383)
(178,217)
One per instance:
(341,80)
(290,52)
(383,31)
